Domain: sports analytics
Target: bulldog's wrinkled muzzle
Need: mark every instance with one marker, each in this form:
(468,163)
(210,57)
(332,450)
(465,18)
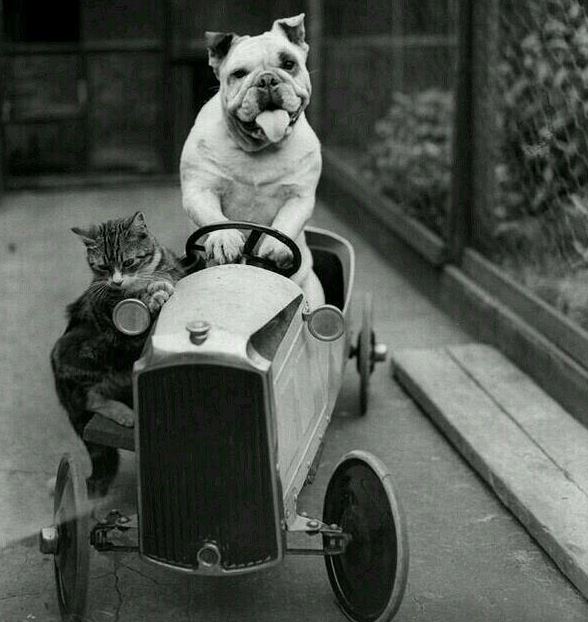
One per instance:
(268,107)
(267,80)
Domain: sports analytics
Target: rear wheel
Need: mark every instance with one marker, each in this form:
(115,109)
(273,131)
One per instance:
(365,347)
(72,559)
(369,578)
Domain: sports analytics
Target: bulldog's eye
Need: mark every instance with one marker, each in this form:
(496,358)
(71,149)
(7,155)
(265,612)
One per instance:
(239,73)
(288,65)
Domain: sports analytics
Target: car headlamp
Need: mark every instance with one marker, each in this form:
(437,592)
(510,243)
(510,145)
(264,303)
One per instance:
(326,323)
(131,317)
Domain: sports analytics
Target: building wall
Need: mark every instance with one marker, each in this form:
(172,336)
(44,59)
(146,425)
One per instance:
(191,18)
(117,85)
(87,98)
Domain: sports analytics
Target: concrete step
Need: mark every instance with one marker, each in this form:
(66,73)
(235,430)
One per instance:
(531,452)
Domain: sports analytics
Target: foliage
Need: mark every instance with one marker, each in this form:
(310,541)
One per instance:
(541,211)
(410,158)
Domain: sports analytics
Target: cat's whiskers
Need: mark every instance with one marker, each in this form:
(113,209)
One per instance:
(99,292)
(95,285)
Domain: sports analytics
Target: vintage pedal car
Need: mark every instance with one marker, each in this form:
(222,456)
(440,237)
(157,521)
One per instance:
(233,395)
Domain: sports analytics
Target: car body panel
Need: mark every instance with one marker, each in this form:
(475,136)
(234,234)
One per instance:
(246,300)
(257,322)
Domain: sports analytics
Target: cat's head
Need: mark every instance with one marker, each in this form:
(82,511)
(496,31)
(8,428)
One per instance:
(121,253)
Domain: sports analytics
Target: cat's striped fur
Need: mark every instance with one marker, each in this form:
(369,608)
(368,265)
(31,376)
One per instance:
(92,362)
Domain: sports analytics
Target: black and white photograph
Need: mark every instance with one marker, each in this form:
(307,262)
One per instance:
(294,310)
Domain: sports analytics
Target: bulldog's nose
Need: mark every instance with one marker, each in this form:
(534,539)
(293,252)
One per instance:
(267,80)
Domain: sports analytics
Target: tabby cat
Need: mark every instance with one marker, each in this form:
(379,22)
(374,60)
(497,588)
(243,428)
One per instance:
(92,361)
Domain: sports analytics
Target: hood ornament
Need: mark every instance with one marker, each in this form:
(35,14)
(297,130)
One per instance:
(198,330)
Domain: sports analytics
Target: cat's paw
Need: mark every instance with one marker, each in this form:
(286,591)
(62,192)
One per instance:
(119,413)
(157,294)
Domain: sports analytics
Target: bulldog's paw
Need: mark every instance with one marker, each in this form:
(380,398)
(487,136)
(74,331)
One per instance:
(224,246)
(277,252)
(157,294)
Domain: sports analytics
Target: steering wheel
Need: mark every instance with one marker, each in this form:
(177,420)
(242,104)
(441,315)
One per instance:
(250,258)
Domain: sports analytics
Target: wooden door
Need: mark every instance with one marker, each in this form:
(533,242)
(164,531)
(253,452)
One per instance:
(45,99)
(84,87)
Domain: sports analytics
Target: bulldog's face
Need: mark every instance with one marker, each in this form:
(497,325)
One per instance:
(264,83)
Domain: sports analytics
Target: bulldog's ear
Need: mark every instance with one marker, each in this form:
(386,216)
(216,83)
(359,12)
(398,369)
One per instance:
(218,44)
(293,29)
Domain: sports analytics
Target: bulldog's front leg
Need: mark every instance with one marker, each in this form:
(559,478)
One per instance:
(204,208)
(277,252)
(291,219)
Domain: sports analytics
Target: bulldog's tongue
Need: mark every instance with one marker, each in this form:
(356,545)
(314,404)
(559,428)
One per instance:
(274,123)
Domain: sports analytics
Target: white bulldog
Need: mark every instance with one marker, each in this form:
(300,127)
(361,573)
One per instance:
(251,154)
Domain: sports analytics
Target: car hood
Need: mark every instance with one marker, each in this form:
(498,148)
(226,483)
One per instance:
(236,300)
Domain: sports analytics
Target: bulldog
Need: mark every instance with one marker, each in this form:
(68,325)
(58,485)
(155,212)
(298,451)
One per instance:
(251,154)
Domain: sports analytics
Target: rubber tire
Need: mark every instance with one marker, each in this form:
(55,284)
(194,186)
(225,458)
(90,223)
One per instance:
(365,350)
(369,578)
(72,560)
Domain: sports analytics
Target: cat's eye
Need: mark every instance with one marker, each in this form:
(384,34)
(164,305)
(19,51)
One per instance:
(127,263)
(102,267)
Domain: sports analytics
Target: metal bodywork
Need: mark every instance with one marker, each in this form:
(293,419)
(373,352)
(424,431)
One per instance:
(233,394)
(228,426)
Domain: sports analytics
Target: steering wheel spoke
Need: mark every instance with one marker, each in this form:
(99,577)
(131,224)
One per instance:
(251,243)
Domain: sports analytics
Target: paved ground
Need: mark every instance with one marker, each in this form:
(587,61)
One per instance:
(470,560)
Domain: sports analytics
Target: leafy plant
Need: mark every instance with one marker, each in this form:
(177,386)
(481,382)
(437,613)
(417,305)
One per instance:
(410,158)
(541,210)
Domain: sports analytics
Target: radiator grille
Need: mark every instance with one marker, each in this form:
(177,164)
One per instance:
(205,471)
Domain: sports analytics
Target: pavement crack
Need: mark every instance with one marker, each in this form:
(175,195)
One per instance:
(142,574)
(21,595)
(116,566)
(420,605)
(12,471)
(97,577)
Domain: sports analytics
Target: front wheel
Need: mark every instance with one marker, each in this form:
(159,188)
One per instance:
(72,558)
(369,578)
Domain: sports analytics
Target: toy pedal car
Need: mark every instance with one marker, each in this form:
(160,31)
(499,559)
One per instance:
(233,394)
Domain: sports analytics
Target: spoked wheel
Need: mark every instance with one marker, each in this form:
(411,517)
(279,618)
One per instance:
(369,578)
(72,558)
(366,343)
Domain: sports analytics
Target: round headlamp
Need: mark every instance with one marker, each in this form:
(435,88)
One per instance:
(131,317)
(326,323)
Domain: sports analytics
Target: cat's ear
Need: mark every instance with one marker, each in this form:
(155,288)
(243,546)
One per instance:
(87,236)
(138,220)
